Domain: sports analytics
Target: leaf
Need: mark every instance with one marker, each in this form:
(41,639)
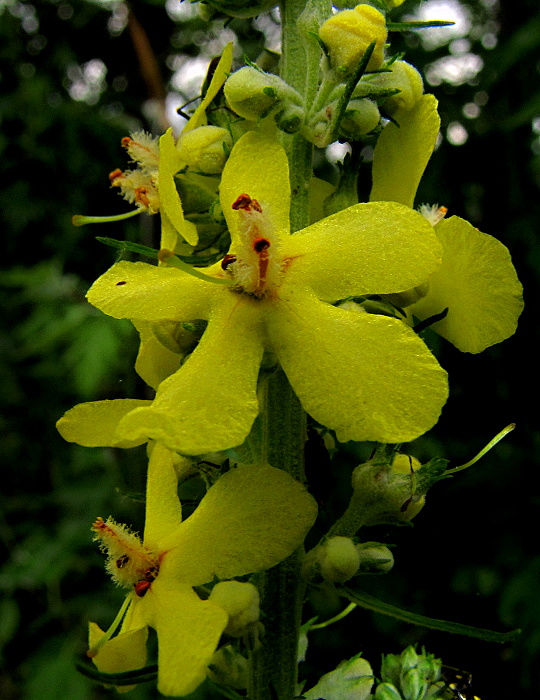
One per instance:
(370,603)
(420,24)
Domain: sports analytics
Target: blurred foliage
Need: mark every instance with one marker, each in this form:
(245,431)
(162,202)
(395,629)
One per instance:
(76,76)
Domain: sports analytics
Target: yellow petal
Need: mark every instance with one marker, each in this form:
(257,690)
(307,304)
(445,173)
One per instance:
(221,73)
(478,284)
(163,509)
(149,293)
(188,631)
(263,515)
(155,362)
(211,402)
(402,153)
(94,424)
(257,167)
(367,377)
(125,652)
(370,248)
(169,199)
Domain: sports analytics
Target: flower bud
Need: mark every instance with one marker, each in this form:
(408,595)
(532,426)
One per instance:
(347,35)
(361,117)
(228,667)
(253,94)
(241,603)
(205,148)
(391,493)
(375,558)
(290,118)
(404,78)
(336,559)
(386,691)
(352,679)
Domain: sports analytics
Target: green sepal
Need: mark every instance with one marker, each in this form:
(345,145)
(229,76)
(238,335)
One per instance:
(349,89)
(139,675)
(368,602)
(420,24)
(128,246)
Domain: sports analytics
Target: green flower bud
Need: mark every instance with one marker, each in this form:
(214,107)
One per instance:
(241,603)
(347,35)
(241,8)
(290,119)
(361,117)
(386,691)
(336,560)
(205,148)
(351,680)
(375,558)
(253,94)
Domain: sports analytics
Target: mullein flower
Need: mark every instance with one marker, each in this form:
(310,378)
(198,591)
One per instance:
(366,376)
(151,185)
(476,281)
(251,519)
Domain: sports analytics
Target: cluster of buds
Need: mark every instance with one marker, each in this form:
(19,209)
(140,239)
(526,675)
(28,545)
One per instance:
(410,676)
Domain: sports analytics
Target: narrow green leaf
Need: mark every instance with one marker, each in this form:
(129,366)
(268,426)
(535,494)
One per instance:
(370,603)
(425,24)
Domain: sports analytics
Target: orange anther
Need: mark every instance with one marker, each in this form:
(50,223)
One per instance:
(115,175)
(126,141)
(141,196)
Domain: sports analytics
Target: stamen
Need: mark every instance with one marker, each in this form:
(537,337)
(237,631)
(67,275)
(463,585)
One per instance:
(227,260)
(141,196)
(245,202)
(115,175)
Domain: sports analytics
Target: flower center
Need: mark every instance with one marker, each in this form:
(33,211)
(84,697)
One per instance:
(256,267)
(129,562)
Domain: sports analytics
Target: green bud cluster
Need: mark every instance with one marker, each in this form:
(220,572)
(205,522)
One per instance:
(410,676)
(254,95)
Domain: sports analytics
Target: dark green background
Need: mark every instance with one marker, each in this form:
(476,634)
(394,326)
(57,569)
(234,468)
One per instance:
(473,554)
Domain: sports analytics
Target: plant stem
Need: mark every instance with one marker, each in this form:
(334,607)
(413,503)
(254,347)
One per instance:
(273,667)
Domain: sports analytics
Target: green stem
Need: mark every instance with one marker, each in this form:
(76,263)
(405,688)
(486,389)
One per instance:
(300,61)
(273,667)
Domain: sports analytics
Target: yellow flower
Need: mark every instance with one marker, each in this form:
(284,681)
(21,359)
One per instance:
(250,520)
(368,377)
(476,280)
(151,185)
